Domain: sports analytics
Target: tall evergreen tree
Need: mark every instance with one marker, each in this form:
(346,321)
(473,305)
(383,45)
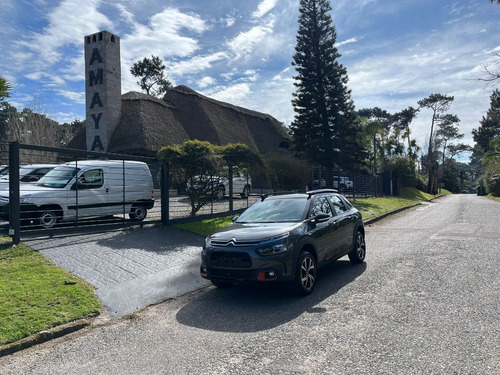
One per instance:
(324,129)
(490,125)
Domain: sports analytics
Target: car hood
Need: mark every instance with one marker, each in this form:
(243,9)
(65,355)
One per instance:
(28,188)
(252,232)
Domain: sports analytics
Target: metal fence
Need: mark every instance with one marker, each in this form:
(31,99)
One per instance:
(18,217)
(170,205)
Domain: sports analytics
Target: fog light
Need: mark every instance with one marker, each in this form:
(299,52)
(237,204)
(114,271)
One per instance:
(267,276)
(203,271)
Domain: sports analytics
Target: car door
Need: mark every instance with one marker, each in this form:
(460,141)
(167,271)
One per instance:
(326,234)
(345,222)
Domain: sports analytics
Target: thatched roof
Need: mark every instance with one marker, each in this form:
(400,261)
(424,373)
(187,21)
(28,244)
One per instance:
(148,124)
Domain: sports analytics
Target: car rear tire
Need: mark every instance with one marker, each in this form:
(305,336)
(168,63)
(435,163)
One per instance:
(47,219)
(358,253)
(305,273)
(138,213)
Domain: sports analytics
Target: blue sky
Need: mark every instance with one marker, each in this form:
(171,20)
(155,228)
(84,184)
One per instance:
(395,52)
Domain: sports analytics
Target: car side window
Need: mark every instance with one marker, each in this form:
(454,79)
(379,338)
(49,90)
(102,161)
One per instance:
(92,179)
(321,206)
(338,204)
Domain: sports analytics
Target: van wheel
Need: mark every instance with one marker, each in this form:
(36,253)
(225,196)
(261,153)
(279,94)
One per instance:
(47,219)
(138,213)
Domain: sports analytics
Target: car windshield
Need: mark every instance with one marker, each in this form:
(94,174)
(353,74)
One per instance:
(275,211)
(58,177)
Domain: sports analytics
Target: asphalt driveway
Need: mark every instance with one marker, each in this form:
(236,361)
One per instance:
(130,268)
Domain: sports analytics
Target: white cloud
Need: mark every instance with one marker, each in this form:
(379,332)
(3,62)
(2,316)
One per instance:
(195,65)
(78,97)
(232,94)
(264,7)
(65,26)
(162,36)
(348,41)
(206,81)
(245,42)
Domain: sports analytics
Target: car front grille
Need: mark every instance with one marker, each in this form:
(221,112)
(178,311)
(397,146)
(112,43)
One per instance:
(230,260)
(232,274)
(233,242)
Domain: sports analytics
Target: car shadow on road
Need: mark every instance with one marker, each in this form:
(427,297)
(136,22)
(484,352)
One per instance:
(253,308)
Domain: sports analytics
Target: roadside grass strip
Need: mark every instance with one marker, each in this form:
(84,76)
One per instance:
(36,295)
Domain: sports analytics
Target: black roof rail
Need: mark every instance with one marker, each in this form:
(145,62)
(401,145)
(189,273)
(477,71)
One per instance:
(320,191)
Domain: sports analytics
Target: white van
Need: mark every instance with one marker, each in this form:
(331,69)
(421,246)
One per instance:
(89,188)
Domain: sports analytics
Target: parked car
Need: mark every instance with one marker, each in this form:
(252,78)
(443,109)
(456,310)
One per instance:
(341,183)
(28,174)
(90,188)
(285,238)
(218,186)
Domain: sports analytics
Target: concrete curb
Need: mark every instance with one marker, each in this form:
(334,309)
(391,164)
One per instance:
(375,219)
(43,336)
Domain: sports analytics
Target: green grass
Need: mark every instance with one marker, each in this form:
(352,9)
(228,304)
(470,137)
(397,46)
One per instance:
(369,207)
(205,227)
(373,207)
(36,295)
(492,197)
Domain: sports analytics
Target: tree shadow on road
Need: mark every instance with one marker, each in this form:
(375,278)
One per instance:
(253,308)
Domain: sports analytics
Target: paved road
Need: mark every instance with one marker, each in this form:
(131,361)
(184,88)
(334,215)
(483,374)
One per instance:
(426,302)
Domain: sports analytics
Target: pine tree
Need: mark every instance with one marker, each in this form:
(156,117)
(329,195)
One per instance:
(490,125)
(324,129)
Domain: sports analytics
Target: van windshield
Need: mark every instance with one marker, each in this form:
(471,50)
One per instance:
(58,177)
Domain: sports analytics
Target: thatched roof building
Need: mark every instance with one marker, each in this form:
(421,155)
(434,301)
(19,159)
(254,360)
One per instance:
(148,124)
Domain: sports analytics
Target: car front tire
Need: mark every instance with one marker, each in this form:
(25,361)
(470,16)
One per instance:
(305,273)
(358,253)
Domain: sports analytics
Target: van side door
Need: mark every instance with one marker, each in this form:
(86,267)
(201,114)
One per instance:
(87,196)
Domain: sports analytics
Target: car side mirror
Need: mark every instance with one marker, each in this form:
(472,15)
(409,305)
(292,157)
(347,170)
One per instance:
(320,218)
(235,218)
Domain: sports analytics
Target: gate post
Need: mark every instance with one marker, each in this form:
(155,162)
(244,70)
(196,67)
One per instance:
(14,209)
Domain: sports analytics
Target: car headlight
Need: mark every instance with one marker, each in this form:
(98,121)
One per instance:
(25,198)
(273,249)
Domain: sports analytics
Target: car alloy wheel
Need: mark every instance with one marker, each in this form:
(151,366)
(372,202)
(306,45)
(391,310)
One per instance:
(358,253)
(306,273)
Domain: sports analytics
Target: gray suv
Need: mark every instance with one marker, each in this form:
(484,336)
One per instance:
(285,238)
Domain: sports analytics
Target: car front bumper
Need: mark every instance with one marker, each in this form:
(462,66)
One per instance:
(245,265)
